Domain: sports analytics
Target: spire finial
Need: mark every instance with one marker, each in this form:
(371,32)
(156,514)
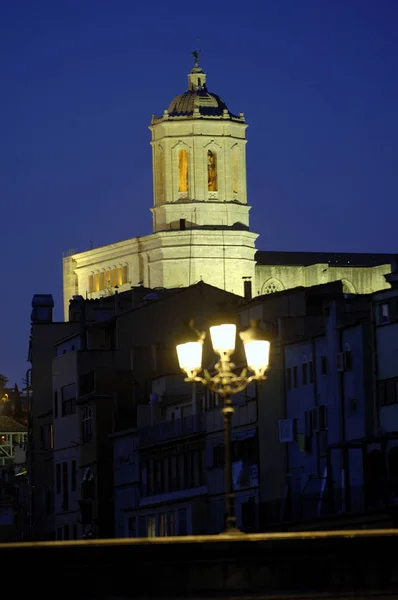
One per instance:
(195,54)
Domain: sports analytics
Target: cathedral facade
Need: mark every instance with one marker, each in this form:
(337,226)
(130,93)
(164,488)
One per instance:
(201,218)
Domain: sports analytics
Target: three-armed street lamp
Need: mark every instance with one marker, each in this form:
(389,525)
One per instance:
(225,381)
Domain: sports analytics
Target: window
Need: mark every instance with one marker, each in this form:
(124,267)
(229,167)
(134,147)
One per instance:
(58,478)
(47,436)
(151,527)
(162,525)
(323,417)
(347,358)
(65,490)
(132,527)
(114,277)
(308,423)
(211,171)
(387,391)
(171,525)
(142,526)
(182,521)
(73,475)
(384,313)
(87,424)
(68,393)
(183,170)
(235,171)
(295,378)
(218,456)
(324,365)
(289,378)
(305,373)
(55,404)
(187,470)
(311,371)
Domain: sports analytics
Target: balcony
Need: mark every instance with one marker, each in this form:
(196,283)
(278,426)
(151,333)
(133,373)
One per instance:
(169,430)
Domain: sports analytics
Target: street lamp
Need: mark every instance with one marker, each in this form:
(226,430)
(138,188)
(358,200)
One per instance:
(225,381)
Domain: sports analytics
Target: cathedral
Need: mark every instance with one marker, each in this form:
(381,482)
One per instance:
(201,218)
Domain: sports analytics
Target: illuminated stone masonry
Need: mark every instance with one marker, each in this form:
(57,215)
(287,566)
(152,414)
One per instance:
(201,218)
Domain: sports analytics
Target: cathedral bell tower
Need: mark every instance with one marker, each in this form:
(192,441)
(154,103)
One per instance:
(199,182)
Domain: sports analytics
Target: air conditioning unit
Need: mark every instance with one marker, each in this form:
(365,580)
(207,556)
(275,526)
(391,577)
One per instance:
(286,430)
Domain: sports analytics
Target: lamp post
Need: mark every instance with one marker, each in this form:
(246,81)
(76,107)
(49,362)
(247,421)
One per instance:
(225,381)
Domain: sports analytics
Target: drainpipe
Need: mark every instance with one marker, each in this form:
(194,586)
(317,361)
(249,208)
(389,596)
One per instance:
(376,420)
(316,404)
(344,461)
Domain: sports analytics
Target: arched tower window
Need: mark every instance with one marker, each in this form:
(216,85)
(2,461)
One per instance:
(235,171)
(183,170)
(211,171)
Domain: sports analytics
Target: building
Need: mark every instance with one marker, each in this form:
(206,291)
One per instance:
(44,335)
(97,373)
(201,228)
(169,471)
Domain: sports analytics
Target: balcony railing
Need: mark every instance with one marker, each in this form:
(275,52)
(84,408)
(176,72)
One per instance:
(169,430)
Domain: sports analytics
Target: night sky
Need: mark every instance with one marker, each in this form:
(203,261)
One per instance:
(80,79)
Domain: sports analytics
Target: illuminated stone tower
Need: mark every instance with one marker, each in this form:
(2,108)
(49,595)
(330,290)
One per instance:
(201,218)
(199,178)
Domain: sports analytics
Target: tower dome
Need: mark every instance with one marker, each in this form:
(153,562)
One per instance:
(198,97)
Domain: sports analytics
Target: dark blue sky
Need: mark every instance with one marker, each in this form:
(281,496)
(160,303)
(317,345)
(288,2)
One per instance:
(80,79)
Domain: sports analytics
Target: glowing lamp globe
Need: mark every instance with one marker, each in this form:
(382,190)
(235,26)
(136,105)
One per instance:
(189,348)
(223,338)
(257,348)
(190,356)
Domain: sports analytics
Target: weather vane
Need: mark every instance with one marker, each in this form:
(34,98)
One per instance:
(195,54)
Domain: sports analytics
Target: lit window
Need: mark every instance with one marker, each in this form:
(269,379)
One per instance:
(151,526)
(162,524)
(211,171)
(183,170)
(171,526)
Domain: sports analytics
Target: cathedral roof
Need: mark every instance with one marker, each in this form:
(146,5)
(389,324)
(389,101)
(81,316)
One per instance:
(334,259)
(198,97)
